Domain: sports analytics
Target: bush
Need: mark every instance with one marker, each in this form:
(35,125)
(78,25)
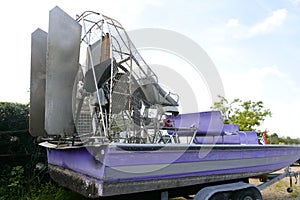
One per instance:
(20,152)
(16,185)
(13,116)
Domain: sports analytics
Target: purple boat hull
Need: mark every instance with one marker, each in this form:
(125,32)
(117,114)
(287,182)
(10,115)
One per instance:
(116,169)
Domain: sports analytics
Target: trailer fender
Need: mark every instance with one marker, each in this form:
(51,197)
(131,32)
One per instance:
(208,192)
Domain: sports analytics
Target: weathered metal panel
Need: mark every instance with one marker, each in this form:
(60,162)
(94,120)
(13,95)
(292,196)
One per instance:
(61,68)
(37,83)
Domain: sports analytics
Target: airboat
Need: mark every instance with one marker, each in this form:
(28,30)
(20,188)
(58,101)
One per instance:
(109,127)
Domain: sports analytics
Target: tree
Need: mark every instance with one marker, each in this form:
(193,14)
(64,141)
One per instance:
(13,116)
(273,139)
(16,144)
(248,115)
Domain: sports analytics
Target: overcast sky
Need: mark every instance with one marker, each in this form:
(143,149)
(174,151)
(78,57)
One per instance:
(255,45)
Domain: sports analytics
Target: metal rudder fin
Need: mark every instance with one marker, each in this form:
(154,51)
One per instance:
(37,83)
(64,38)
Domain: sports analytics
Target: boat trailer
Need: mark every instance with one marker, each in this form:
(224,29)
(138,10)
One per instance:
(242,190)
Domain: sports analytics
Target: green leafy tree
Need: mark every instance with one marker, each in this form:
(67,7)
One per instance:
(248,115)
(273,139)
(16,144)
(13,116)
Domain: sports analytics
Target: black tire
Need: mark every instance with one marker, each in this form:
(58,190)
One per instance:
(289,190)
(247,194)
(219,196)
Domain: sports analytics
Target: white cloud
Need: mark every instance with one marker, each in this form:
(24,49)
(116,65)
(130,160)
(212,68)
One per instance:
(232,22)
(285,117)
(270,23)
(246,84)
(249,84)
(265,71)
(295,1)
(221,51)
(265,26)
(256,84)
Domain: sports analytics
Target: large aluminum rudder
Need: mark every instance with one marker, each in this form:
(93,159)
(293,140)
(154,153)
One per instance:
(64,37)
(37,83)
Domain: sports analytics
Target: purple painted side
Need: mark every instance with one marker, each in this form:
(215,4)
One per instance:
(95,161)
(259,169)
(203,153)
(224,139)
(213,156)
(207,123)
(78,159)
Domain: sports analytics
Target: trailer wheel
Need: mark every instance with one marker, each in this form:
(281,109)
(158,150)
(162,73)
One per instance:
(219,196)
(247,194)
(289,190)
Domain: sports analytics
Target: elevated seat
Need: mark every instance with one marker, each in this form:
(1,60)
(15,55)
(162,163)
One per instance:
(248,137)
(230,128)
(221,139)
(206,123)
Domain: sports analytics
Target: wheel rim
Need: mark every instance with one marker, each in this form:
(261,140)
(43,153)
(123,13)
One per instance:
(248,198)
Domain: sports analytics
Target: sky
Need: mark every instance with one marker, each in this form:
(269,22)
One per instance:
(254,45)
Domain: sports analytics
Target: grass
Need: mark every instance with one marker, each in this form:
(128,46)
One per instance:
(17,184)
